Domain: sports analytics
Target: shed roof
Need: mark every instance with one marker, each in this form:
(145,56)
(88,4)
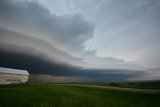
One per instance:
(13,71)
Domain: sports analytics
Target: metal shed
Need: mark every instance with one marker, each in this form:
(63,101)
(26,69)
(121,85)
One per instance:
(13,76)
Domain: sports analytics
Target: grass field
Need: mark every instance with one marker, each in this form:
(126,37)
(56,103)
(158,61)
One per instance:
(48,95)
(139,85)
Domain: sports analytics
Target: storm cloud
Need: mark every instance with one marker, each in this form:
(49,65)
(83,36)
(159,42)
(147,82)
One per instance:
(38,65)
(33,19)
(26,56)
(93,41)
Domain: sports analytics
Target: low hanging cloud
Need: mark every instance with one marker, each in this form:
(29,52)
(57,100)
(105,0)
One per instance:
(65,32)
(18,42)
(40,68)
(47,45)
(41,78)
(150,75)
(26,55)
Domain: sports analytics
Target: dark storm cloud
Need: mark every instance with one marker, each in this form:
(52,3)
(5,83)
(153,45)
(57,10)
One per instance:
(34,64)
(20,56)
(11,40)
(33,19)
(39,78)
(39,65)
(31,38)
(25,52)
(67,32)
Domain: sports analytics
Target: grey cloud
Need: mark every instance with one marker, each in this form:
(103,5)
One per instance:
(18,42)
(105,60)
(111,62)
(128,29)
(68,32)
(36,64)
(93,77)
(25,55)
(40,78)
(153,74)
(113,9)
(40,30)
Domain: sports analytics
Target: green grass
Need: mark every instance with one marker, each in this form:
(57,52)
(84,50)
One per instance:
(139,85)
(48,95)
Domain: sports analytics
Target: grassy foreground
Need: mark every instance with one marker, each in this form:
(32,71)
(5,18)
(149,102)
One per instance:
(47,95)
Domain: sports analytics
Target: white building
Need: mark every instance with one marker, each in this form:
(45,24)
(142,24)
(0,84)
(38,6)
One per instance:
(13,76)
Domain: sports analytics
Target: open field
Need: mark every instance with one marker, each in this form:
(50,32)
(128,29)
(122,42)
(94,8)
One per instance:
(139,90)
(48,95)
(138,85)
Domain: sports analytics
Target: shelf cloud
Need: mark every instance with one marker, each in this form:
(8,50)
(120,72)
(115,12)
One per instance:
(87,40)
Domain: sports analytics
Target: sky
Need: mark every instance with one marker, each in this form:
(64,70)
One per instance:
(81,40)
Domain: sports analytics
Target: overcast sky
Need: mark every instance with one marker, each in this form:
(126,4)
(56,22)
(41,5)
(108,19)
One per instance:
(118,39)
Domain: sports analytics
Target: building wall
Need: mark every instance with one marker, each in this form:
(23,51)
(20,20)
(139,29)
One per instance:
(13,78)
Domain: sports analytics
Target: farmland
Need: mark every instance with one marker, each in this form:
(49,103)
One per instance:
(138,85)
(50,95)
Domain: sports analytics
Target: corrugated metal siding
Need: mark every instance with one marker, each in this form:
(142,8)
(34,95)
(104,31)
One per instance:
(13,78)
